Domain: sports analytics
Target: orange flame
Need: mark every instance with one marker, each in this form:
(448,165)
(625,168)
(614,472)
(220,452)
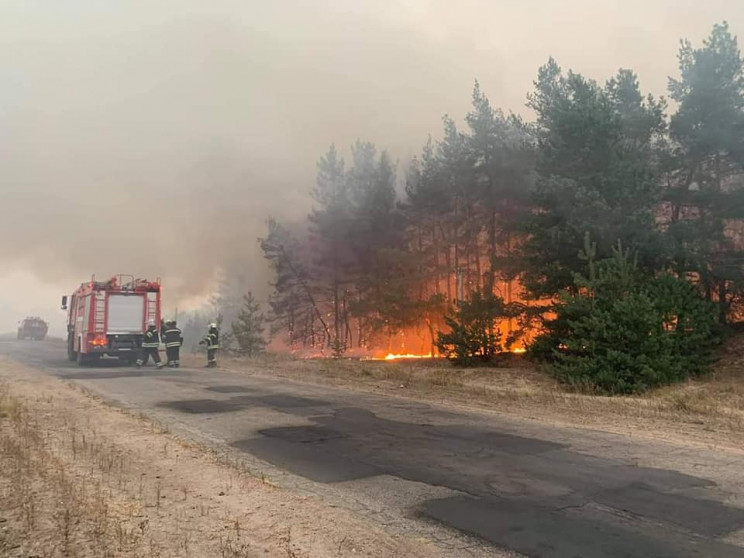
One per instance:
(391,356)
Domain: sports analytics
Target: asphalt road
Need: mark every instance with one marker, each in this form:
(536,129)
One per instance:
(456,476)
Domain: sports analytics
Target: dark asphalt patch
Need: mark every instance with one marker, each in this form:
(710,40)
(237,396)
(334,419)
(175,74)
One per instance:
(524,492)
(542,532)
(707,517)
(228,389)
(290,404)
(425,453)
(202,406)
(508,443)
(307,460)
(303,434)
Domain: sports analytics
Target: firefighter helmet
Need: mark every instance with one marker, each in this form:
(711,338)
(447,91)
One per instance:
(150,323)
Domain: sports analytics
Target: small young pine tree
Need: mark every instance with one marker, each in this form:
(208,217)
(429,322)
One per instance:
(249,328)
(624,331)
(474,336)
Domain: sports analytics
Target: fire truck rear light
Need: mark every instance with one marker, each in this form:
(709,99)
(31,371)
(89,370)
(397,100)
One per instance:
(99,341)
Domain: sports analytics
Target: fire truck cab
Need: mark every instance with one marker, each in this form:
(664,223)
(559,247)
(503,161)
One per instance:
(110,317)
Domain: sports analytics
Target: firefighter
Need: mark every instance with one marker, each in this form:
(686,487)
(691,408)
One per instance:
(150,345)
(173,339)
(212,341)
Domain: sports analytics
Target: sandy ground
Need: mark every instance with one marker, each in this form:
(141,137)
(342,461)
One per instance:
(80,478)
(708,411)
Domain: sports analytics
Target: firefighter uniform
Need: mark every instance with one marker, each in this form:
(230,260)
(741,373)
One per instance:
(173,339)
(212,341)
(150,345)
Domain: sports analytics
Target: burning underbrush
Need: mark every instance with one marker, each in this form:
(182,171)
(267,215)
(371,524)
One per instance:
(380,355)
(430,356)
(503,337)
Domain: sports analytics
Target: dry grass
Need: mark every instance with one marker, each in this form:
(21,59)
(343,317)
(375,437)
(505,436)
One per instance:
(720,393)
(71,491)
(50,509)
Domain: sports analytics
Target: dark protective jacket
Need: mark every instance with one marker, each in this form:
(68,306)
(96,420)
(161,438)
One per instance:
(212,339)
(173,337)
(151,339)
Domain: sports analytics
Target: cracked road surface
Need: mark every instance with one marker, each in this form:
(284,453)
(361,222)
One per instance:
(475,483)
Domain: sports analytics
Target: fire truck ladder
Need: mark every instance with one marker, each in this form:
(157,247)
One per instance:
(100,312)
(152,307)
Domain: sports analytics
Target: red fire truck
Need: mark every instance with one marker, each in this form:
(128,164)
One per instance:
(110,317)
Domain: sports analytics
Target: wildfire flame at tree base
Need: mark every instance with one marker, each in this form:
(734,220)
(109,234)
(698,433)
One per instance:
(401,356)
(391,356)
(407,356)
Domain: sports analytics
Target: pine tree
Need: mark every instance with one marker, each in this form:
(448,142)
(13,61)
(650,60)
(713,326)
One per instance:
(248,329)
(624,331)
(377,242)
(706,183)
(294,306)
(597,173)
(331,223)
(426,209)
(501,151)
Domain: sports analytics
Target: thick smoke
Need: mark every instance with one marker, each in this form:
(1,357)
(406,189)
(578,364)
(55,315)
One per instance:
(156,137)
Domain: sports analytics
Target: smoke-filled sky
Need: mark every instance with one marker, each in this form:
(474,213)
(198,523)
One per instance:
(155,138)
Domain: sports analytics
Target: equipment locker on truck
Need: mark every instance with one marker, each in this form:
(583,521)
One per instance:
(110,318)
